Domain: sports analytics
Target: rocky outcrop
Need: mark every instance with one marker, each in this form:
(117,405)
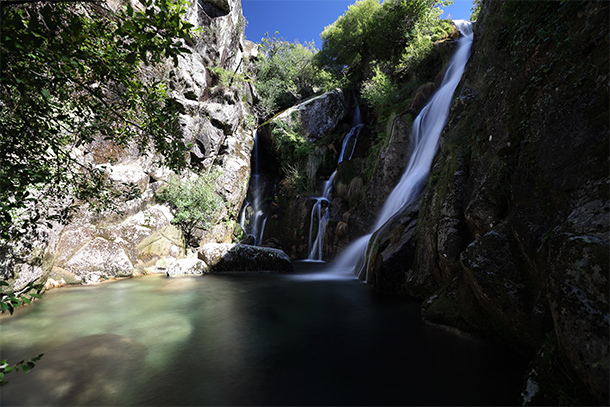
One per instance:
(215,119)
(512,235)
(316,116)
(240,257)
(89,253)
(300,148)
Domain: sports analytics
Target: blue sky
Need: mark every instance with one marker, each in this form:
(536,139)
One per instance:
(304,20)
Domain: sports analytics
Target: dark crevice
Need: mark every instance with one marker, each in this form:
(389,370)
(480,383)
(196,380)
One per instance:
(212,11)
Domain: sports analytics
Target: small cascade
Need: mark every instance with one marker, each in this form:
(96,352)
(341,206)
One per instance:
(320,216)
(425,134)
(320,213)
(253,217)
(353,134)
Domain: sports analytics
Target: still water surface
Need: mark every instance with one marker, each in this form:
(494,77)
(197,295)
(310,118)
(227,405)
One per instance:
(245,339)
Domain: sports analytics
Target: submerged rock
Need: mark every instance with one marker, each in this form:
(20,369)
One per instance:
(225,257)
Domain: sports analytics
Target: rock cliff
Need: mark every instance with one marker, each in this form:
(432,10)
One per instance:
(214,101)
(511,238)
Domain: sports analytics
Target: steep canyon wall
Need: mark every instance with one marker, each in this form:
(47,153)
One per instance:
(511,238)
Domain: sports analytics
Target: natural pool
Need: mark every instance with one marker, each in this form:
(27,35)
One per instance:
(245,339)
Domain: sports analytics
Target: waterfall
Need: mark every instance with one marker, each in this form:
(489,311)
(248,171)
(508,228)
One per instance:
(254,224)
(353,133)
(320,214)
(320,211)
(425,134)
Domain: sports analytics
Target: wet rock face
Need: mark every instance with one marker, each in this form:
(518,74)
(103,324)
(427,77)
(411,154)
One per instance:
(512,236)
(519,193)
(578,298)
(391,252)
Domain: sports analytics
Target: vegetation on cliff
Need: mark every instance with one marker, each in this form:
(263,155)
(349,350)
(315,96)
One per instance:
(373,43)
(384,54)
(73,73)
(194,202)
(285,74)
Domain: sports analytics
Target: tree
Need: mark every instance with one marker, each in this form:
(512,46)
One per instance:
(344,42)
(195,203)
(285,73)
(369,31)
(476,9)
(24,365)
(70,74)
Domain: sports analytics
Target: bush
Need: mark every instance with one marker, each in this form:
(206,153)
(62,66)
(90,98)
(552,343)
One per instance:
(194,202)
(291,144)
(285,74)
(380,92)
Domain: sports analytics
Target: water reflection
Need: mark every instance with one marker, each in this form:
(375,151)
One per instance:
(244,339)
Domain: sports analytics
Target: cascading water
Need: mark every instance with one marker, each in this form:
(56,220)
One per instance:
(425,134)
(320,213)
(256,192)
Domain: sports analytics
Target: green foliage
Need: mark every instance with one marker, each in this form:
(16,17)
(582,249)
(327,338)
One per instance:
(344,43)
(475,10)
(291,144)
(226,77)
(426,32)
(195,203)
(373,46)
(9,300)
(24,365)
(370,31)
(69,75)
(380,92)
(295,177)
(285,73)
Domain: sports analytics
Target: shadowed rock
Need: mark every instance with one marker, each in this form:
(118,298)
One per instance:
(224,257)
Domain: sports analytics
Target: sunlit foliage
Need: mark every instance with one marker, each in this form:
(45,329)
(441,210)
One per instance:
(285,73)
(194,203)
(370,31)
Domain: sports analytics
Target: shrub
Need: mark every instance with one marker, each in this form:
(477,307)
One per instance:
(295,179)
(285,73)
(380,92)
(194,202)
(291,144)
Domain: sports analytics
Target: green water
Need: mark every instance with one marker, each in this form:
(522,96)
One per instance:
(244,339)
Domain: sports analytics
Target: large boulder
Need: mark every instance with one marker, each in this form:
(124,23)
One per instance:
(224,257)
(88,253)
(315,116)
(189,266)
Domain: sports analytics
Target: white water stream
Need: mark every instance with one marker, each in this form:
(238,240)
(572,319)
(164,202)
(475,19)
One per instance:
(320,212)
(425,134)
(256,225)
